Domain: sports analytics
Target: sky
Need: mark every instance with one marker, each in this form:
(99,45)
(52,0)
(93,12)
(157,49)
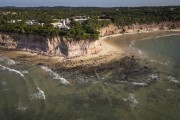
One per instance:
(89,3)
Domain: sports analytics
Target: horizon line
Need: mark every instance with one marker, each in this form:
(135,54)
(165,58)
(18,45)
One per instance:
(94,6)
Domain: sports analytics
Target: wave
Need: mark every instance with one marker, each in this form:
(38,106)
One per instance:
(153,77)
(140,52)
(19,106)
(11,70)
(132,100)
(24,72)
(55,75)
(132,43)
(173,79)
(7,60)
(160,62)
(139,84)
(39,95)
(135,83)
(146,38)
(153,60)
(165,35)
(169,90)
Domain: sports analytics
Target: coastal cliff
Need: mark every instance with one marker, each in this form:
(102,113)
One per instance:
(113,29)
(51,46)
(69,47)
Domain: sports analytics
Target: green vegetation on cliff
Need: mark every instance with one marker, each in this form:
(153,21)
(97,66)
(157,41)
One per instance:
(14,20)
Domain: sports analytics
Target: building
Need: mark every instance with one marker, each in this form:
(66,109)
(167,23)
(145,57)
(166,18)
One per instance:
(33,22)
(80,19)
(60,25)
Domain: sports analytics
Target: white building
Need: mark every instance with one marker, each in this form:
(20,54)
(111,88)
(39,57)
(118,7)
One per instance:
(81,18)
(33,22)
(62,24)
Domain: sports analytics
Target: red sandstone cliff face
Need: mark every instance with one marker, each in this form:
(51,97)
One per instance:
(51,46)
(109,30)
(65,47)
(112,29)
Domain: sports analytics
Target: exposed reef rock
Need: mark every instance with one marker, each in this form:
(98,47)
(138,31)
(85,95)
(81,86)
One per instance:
(51,46)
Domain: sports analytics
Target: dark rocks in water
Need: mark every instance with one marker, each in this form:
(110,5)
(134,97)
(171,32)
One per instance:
(123,77)
(130,67)
(41,64)
(126,69)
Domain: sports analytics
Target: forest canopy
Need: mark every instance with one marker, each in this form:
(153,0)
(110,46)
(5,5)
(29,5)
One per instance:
(14,19)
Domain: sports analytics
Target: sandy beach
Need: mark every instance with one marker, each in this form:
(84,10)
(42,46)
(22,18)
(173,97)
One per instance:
(110,52)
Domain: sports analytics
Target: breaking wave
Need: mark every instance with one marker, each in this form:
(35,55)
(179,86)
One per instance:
(132,43)
(132,100)
(11,70)
(165,35)
(140,52)
(136,83)
(153,77)
(139,84)
(24,72)
(55,75)
(7,60)
(173,79)
(19,106)
(39,95)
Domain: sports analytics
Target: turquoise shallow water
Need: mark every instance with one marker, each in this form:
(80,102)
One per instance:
(101,97)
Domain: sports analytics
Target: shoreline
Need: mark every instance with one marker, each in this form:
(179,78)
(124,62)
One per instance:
(110,52)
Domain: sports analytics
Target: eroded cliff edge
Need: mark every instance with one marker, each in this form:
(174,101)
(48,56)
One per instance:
(113,29)
(69,47)
(60,46)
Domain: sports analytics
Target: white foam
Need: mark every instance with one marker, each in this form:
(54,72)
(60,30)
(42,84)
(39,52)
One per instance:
(140,52)
(173,79)
(132,100)
(39,95)
(10,62)
(136,83)
(55,75)
(146,38)
(165,35)
(132,43)
(7,60)
(162,63)
(139,84)
(153,77)
(19,106)
(11,70)
(169,90)
(124,82)
(153,60)
(24,72)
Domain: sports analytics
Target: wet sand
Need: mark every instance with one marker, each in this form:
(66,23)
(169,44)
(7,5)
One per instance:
(111,51)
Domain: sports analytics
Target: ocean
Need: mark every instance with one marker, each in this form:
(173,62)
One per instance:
(36,92)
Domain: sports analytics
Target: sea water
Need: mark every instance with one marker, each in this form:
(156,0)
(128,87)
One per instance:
(31,92)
